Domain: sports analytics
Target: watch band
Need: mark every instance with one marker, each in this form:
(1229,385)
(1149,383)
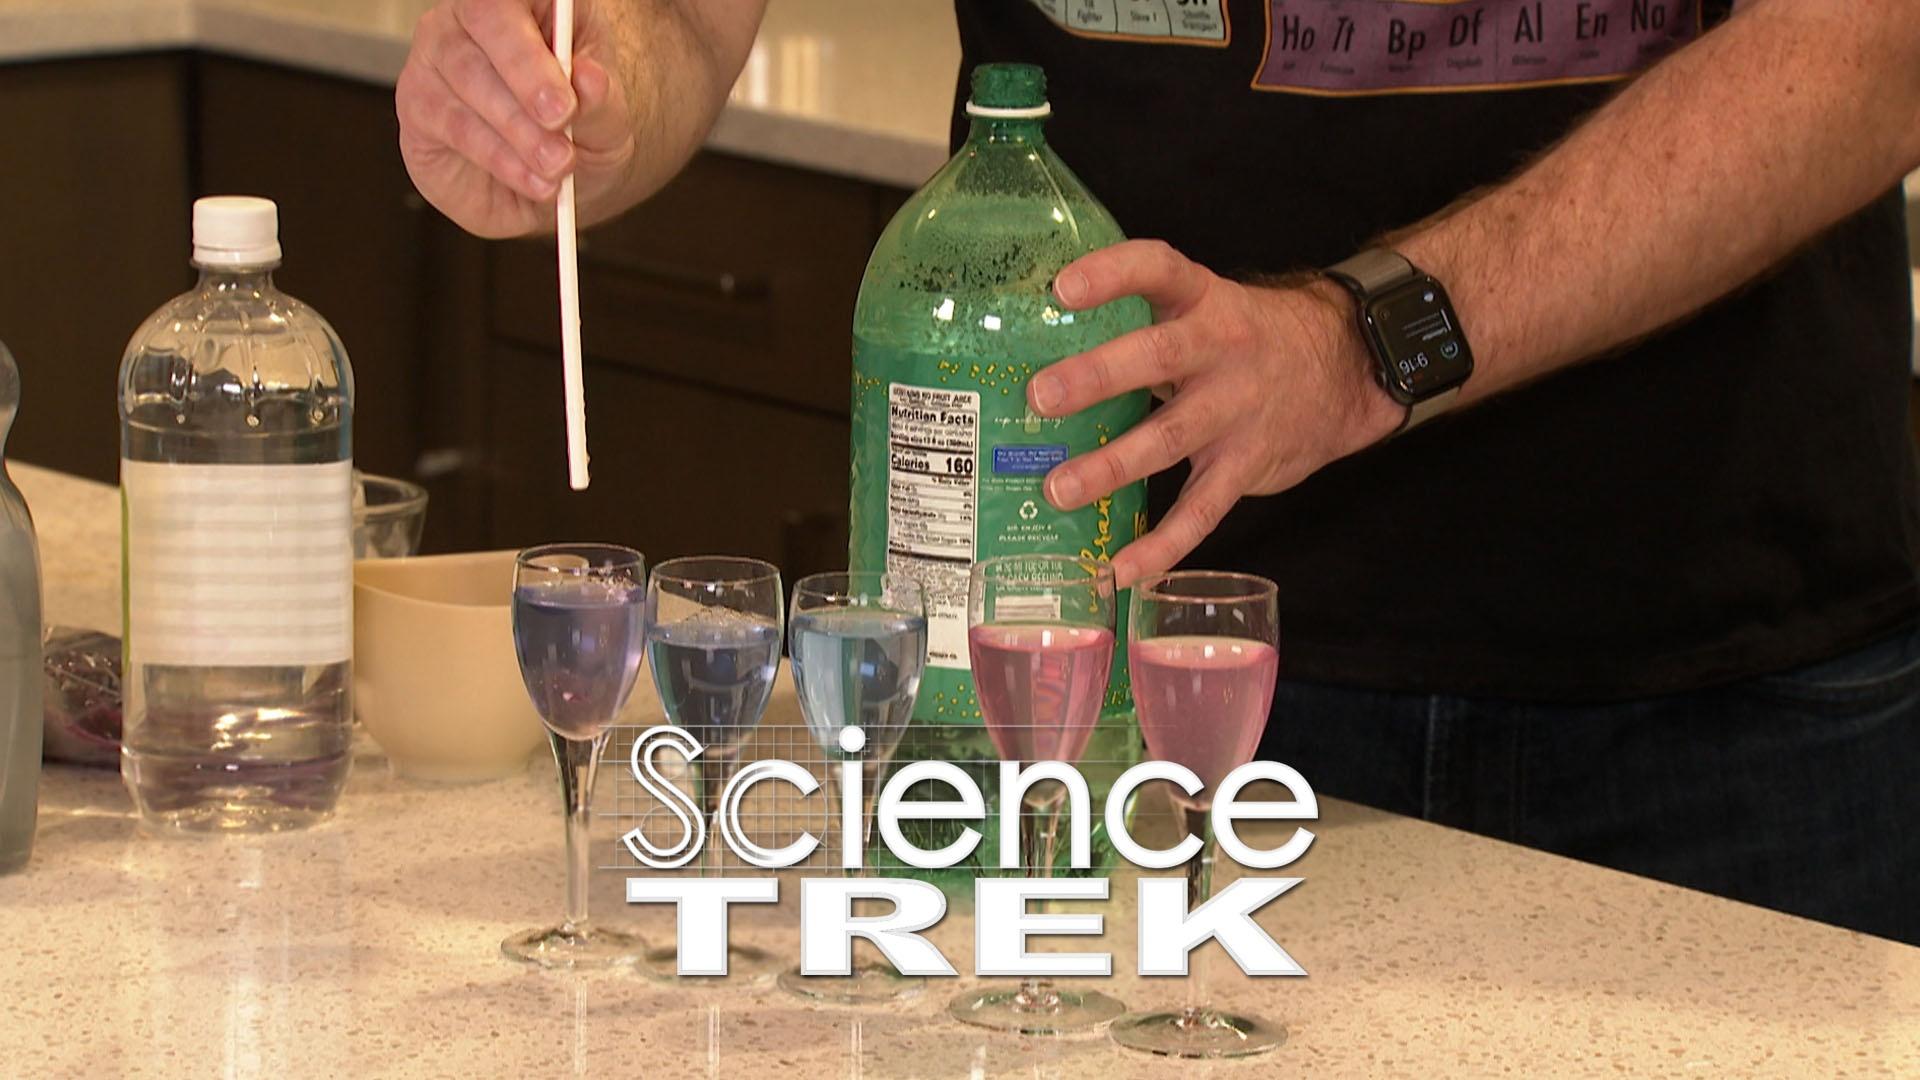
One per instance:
(1422,411)
(1374,271)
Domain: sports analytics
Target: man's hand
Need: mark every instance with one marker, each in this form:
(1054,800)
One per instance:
(483,106)
(1262,385)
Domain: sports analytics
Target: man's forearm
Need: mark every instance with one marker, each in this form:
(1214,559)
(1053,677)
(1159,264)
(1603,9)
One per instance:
(678,62)
(1709,168)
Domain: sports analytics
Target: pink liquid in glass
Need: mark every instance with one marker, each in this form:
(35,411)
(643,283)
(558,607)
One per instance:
(1040,687)
(1203,702)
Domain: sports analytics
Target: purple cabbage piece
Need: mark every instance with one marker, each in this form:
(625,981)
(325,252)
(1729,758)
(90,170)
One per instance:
(82,697)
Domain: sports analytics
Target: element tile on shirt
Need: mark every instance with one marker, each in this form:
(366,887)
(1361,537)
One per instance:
(1177,22)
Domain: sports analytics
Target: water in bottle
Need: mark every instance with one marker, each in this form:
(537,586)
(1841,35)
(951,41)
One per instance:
(21,680)
(236,407)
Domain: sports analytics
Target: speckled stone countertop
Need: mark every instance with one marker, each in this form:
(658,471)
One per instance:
(369,947)
(858,88)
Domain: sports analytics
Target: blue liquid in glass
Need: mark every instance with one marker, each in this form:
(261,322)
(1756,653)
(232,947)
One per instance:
(858,667)
(714,672)
(579,645)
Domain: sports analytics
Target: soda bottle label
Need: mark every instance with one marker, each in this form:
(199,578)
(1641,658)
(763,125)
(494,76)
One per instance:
(238,565)
(948,467)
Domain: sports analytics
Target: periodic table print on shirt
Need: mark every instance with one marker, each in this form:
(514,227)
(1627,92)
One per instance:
(1172,22)
(1357,47)
(1340,48)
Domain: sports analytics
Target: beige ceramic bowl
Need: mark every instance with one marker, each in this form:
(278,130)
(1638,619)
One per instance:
(435,680)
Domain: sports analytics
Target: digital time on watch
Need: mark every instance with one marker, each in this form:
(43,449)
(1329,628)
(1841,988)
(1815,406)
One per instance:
(1420,353)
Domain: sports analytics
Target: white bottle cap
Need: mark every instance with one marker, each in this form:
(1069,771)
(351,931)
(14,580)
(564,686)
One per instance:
(235,230)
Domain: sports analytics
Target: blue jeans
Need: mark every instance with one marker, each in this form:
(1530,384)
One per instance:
(1798,791)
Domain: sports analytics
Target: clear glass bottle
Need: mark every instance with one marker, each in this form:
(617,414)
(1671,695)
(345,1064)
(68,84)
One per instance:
(955,314)
(21,681)
(236,408)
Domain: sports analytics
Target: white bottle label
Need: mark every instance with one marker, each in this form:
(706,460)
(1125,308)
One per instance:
(239,565)
(932,500)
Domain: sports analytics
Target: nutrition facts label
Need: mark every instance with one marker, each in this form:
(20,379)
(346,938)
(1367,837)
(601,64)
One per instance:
(933,442)
(1197,22)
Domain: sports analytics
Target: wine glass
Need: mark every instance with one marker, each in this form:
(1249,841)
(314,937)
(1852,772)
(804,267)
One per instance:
(858,643)
(714,646)
(579,624)
(1203,650)
(1040,634)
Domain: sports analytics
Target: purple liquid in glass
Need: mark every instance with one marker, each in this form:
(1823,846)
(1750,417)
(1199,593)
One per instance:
(579,644)
(715,672)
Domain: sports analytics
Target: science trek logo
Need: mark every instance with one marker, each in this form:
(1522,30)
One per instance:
(1168,930)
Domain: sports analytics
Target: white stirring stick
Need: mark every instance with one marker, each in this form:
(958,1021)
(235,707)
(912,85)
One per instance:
(566,233)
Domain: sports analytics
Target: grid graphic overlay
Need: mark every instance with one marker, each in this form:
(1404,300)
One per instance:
(775,814)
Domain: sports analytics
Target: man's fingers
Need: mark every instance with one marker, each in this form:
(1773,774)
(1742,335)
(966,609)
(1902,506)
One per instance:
(1149,356)
(1209,494)
(432,109)
(474,139)
(1159,442)
(1147,268)
(512,39)
(471,76)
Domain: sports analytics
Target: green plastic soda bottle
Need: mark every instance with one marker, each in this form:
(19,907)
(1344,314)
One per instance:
(955,314)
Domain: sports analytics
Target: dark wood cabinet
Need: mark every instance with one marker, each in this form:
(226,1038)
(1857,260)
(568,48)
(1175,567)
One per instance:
(738,275)
(716,316)
(716,321)
(398,282)
(351,225)
(95,181)
(678,468)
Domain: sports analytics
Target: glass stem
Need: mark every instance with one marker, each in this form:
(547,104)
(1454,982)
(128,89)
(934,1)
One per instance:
(870,773)
(1199,889)
(578,760)
(710,775)
(830,785)
(1037,851)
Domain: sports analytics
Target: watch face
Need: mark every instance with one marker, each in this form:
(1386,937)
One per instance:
(1421,347)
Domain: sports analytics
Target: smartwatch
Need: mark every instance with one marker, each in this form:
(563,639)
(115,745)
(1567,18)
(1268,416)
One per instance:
(1420,354)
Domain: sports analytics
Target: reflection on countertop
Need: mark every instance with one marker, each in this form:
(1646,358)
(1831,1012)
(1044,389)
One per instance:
(859,88)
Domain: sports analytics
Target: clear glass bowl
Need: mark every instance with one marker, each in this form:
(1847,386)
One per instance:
(388,514)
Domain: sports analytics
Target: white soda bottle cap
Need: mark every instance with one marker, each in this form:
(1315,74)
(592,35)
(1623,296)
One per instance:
(235,230)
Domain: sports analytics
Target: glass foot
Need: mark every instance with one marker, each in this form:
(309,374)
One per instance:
(1197,1033)
(574,947)
(870,984)
(1045,1011)
(743,962)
